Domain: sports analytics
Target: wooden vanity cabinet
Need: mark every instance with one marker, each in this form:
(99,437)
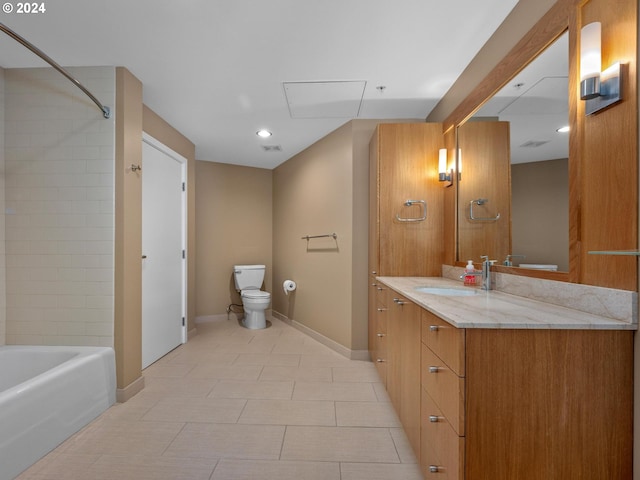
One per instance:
(403,165)
(525,404)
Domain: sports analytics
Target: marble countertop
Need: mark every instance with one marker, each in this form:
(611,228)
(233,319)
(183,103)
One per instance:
(495,309)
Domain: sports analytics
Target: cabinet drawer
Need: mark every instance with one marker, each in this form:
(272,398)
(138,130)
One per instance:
(444,340)
(445,388)
(442,450)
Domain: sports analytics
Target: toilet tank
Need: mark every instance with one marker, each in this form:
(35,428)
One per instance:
(248,277)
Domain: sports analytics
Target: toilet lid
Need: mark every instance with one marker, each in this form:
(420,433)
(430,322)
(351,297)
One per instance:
(255,294)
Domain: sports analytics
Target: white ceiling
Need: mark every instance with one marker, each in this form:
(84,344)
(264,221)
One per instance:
(216,69)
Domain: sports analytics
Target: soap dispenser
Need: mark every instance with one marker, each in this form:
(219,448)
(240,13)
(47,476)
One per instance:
(469,270)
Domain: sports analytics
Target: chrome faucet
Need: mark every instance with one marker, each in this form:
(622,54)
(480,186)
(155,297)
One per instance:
(485,273)
(508,262)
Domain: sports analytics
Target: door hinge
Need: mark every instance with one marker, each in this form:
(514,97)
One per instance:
(183,321)
(184,187)
(184,254)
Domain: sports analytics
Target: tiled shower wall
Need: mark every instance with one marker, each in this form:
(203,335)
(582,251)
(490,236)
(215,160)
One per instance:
(59,207)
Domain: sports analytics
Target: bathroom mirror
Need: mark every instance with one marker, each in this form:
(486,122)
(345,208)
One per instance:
(513,192)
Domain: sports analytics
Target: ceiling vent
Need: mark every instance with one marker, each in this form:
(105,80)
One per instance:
(534,143)
(272,148)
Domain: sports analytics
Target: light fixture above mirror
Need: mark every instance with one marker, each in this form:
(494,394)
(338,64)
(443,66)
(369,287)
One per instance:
(445,174)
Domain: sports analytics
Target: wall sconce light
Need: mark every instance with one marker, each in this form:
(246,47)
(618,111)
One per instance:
(444,175)
(599,89)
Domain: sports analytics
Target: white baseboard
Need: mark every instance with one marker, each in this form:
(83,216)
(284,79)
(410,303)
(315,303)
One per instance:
(326,341)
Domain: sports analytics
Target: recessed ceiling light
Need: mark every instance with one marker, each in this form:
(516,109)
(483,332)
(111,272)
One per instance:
(564,129)
(264,133)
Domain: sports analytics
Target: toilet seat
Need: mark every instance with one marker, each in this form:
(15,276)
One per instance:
(257,294)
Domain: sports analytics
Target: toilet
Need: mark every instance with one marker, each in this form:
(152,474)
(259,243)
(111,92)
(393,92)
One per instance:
(248,280)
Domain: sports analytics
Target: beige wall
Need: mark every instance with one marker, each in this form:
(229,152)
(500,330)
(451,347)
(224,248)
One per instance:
(313,195)
(323,190)
(155,126)
(59,190)
(128,232)
(234,225)
(540,212)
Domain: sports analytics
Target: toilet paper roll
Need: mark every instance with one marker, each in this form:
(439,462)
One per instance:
(288,286)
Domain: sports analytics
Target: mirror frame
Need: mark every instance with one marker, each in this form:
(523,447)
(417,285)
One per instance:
(551,26)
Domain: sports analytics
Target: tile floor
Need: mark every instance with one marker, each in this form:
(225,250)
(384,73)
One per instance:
(236,404)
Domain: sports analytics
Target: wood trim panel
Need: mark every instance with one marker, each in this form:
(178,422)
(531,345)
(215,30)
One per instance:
(556,404)
(550,27)
(604,157)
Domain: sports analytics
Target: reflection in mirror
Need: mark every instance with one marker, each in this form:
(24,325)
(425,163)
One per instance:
(532,108)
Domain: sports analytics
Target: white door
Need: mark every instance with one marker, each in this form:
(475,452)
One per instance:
(162,250)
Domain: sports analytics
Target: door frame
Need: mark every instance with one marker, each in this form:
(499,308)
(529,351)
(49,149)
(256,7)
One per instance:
(158,145)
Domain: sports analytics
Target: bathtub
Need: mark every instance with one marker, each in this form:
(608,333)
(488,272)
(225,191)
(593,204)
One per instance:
(46,395)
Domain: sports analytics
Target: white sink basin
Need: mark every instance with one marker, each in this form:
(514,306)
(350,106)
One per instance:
(448,291)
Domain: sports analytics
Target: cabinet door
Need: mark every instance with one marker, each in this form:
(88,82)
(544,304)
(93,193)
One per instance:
(403,371)
(410,374)
(407,169)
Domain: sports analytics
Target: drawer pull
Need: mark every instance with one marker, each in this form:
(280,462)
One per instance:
(434,328)
(380,360)
(379,289)
(381,335)
(433,469)
(434,369)
(398,301)
(374,284)
(434,418)
(382,309)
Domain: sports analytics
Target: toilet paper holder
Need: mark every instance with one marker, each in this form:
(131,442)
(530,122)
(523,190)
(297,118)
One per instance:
(289,286)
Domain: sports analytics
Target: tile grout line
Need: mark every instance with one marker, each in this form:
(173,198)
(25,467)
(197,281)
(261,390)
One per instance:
(284,435)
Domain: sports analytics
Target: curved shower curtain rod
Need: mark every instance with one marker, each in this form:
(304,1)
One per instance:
(106,111)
